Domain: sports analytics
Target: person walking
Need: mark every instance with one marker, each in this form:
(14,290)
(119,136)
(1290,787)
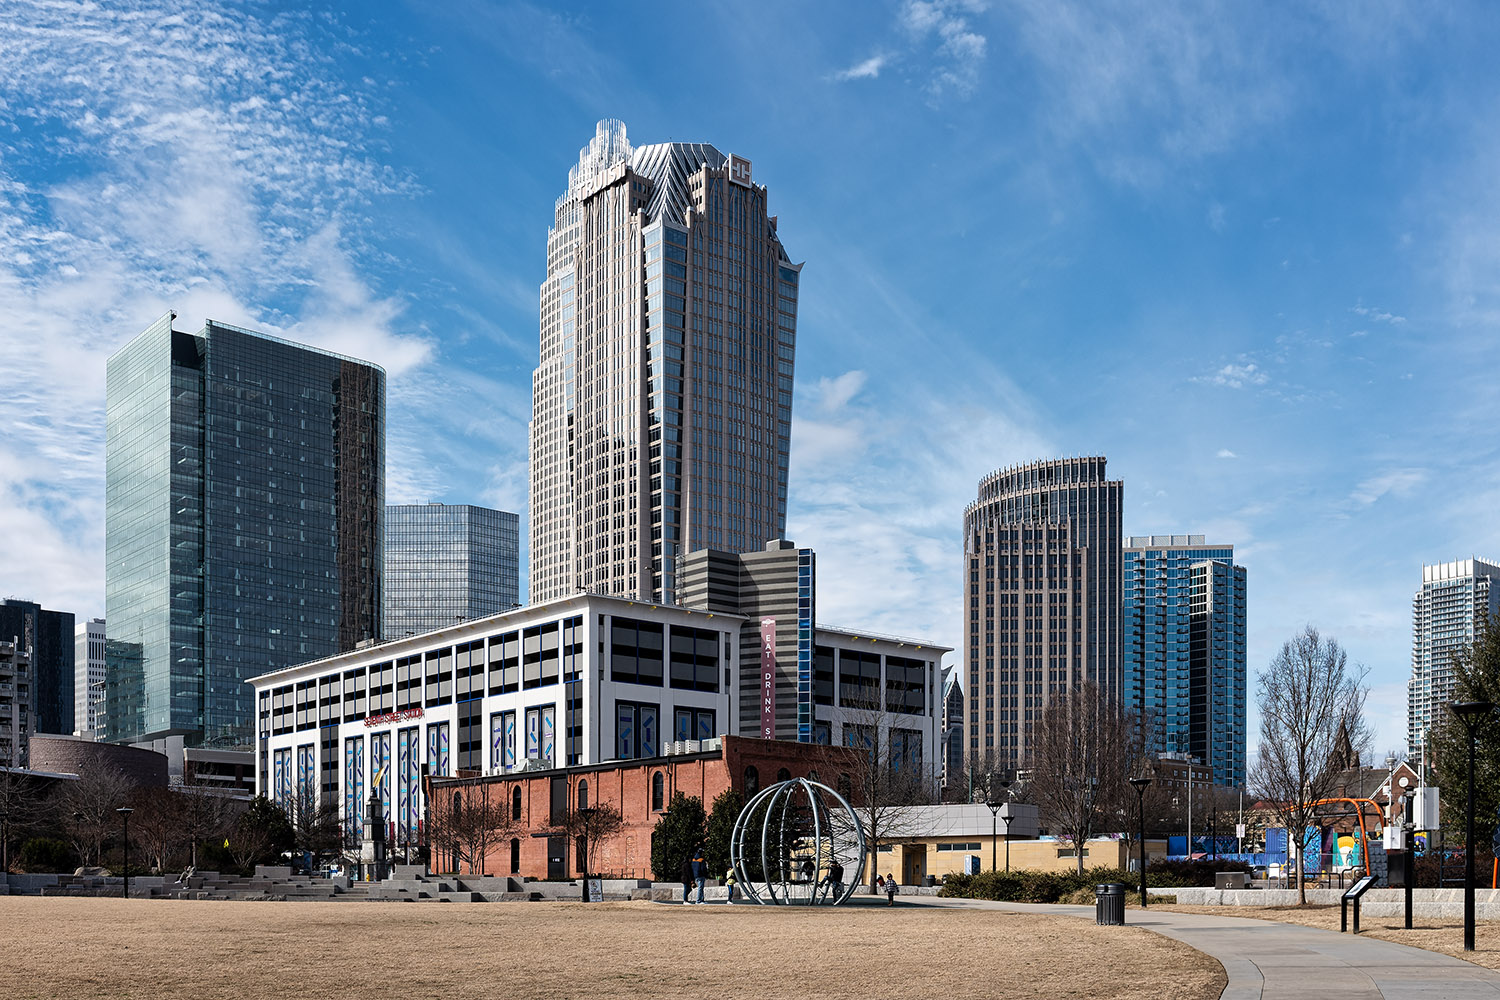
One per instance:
(891,888)
(687,881)
(700,871)
(836,878)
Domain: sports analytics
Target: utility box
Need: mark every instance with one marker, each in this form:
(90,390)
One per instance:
(1425,808)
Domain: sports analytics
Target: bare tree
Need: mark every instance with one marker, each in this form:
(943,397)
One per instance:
(316,827)
(1084,750)
(1311,721)
(590,826)
(880,778)
(20,809)
(464,821)
(204,813)
(158,825)
(85,810)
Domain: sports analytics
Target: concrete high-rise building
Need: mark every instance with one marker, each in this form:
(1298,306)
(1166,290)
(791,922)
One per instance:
(47,637)
(1043,603)
(448,562)
(15,705)
(88,677)
(662,402)
(244,509)
(1185,649)
(1446,614)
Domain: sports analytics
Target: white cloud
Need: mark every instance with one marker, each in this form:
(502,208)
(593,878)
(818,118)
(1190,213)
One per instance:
(164,155)
(1226,453)
(1395,482)
(1236,376)
(1378,315)
(960,50)
(867,70)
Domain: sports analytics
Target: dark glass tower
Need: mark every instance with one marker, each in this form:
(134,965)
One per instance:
(1043,601)
(48,637)
(244,500)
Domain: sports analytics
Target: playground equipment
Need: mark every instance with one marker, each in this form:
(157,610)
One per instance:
(798,842)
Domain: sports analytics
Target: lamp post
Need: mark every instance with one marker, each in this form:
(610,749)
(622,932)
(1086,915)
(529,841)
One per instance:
(125,812)
(996,791)
(1469,713)
(1140,785)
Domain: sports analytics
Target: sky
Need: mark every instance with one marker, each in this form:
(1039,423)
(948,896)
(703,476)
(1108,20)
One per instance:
(1248,252)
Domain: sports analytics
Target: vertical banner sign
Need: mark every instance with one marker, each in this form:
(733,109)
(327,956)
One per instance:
(768,678)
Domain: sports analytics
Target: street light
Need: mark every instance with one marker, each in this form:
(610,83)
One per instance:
(1469,713)
(1140,784)
(125,812)
(996,791)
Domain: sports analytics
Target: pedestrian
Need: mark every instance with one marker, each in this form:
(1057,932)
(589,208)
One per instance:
(880,883)
(700,870)
(807,870)
(890,890)
(836,878)
(687,881)
(729,883)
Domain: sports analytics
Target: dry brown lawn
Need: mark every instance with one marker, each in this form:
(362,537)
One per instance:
(82,948)
(1445,936)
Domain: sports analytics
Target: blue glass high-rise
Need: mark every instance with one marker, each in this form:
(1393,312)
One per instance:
(448,562)
(1184,633)
(244,504)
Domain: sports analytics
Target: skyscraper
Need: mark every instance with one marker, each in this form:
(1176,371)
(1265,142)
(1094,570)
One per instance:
(88,677)
(953,729)
(662,402)
(1185,649)
(448,562)
(1042,561)
(1445,614)
(244,504)
(47,637)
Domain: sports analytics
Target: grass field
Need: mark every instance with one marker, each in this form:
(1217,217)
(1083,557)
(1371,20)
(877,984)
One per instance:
(82,948)
(1445,936)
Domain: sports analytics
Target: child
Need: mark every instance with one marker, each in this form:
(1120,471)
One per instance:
(890,891)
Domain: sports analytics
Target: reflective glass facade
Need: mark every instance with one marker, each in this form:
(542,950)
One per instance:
(244,501)
(1185,649)
(1454,598)
(48,637)
(448,562)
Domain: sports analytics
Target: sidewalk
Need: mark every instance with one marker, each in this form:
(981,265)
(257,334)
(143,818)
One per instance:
(1288,962)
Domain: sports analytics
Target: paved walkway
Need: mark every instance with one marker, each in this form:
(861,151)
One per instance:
(1277,961)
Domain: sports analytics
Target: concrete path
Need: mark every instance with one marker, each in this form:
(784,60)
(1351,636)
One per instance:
(1276,961)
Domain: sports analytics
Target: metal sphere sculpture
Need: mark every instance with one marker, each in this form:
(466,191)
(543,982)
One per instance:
(798,843)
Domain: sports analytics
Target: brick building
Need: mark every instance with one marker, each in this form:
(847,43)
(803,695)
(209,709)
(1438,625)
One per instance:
(531,805)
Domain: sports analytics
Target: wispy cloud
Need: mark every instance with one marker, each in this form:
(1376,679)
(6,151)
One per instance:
(1236,376)
(1225,453)
(869,69)
(230,183)
(1394,482)
(1377,315)
(960,50)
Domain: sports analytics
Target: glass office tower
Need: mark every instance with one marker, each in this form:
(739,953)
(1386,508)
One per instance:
(1185,649)
(448,562)
(1446,614)
(244,501)
(47,636)
(662,401)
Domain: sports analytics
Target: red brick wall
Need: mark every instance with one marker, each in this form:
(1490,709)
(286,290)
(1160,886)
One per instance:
(627,786)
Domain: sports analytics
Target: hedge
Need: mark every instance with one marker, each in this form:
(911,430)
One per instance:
(1030,886)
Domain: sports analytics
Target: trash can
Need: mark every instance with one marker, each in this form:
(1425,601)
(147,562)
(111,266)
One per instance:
(1109,904)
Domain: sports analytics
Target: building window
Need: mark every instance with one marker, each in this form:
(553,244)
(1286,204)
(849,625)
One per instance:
(515,804)
(694,724)
(515,852)
(859,679)
(636,652)
(636,734)
(583,794)
(752,782)
(658,791)
(695,659)
(783,775)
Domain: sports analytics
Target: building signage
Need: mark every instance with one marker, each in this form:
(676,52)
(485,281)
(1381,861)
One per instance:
(739,170)
(390,717)
(768,678)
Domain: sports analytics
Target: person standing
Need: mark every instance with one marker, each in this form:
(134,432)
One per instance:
(700,870)
(836,878)
(891,887)
(729,883)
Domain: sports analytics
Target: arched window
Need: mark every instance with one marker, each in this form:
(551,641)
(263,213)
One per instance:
(658,791)
(515,804)
(515,856)
(752,782)
(783,775)
(458,801)
(583,794)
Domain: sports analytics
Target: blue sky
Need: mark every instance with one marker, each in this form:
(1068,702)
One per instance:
(1248,252)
